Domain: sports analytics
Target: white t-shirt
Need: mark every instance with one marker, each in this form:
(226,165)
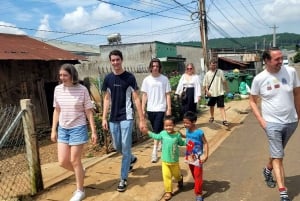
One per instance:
(156,89)
(276,92)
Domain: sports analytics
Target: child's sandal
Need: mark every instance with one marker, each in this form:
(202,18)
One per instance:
(225,123)
(167,196)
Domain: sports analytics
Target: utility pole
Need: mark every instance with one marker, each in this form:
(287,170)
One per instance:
(203,31)
(274,35)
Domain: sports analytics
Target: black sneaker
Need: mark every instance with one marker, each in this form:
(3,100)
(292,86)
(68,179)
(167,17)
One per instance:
(269,179)
(134,160)
(122,185)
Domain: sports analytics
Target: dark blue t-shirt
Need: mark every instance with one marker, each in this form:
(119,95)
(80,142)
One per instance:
(120,88)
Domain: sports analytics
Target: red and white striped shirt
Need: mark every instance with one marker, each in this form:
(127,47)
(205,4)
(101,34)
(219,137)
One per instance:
(72,101)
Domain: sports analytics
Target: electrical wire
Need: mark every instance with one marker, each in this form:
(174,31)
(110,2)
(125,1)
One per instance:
(228,19)
(222,32)
(258,13)
(251,13)
(142,11)
(236,10)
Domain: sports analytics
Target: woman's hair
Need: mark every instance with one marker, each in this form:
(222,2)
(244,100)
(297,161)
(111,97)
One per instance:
(116,53)
(72,71)
(192,66)
(191,116)
(170,118)
(151,63)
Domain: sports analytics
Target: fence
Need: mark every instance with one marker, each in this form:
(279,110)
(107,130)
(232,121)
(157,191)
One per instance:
(20,167)
(20,173)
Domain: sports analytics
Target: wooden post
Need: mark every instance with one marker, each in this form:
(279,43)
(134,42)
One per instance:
(32,152)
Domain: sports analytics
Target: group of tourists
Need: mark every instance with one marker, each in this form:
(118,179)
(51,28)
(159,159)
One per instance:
(73,107)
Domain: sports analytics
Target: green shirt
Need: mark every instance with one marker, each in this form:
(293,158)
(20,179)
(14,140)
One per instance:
(170,143)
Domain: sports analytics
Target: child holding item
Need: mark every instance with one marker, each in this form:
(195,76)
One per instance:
(171,140)
(197,151)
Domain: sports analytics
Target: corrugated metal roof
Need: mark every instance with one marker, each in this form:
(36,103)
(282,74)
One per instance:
(21,47)
(239,63)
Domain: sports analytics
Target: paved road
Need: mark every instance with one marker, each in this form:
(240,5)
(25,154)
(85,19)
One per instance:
(234,171)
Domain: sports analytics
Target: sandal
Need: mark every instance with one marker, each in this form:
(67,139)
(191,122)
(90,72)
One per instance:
(167,196)
(211,120)
(225,123)
(180,183)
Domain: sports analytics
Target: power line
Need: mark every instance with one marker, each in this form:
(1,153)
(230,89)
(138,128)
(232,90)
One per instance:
(222,32)
(228,19)
(257,13)
(236,10)
(142,11)
(250,13)
(125,21)
(183,6)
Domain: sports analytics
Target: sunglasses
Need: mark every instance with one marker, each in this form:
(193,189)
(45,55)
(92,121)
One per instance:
(189,68)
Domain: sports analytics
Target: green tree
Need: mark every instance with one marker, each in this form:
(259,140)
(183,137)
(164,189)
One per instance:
(297,57)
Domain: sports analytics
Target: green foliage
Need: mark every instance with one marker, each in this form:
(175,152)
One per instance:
(174,80)
(297,58)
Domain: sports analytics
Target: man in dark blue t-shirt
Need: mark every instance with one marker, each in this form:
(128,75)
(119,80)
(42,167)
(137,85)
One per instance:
(121,91)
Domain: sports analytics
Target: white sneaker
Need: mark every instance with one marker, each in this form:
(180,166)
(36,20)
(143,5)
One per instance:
(154,158)
(78,195)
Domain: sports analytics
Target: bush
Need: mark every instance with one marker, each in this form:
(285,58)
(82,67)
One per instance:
(297,58)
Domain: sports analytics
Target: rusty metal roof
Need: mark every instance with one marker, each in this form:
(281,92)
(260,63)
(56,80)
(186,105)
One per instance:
(239,63)
(21,47)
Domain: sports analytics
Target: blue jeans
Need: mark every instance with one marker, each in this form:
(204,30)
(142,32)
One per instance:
(122,141)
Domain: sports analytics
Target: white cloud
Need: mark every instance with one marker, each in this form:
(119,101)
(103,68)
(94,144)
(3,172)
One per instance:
(282,10)
(43,26)
(77,20)
(104,12)
(8,28)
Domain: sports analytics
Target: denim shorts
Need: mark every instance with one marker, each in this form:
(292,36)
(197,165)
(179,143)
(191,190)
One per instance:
(278,136)
(73,136)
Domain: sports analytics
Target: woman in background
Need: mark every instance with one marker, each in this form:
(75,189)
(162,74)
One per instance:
(189,84)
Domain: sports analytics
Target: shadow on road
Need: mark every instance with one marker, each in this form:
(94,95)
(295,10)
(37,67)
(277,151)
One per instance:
(293,184)
(213,186)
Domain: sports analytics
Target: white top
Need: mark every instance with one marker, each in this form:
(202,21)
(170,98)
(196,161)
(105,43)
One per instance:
(217,86)
(72,101)
(156,89)
(276,91)
(193,82)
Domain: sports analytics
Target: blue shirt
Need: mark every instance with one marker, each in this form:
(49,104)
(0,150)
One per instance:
(120,88)
(197,143)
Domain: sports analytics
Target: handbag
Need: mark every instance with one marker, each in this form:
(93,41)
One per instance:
(183,95)
(206,96)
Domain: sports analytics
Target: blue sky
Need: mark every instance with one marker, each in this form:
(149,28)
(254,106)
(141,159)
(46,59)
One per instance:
(91,21)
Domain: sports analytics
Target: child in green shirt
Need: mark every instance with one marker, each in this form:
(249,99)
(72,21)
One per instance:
(171,140)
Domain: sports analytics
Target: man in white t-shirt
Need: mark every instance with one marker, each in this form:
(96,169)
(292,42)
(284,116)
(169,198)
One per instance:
(278,87)
(156,95)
